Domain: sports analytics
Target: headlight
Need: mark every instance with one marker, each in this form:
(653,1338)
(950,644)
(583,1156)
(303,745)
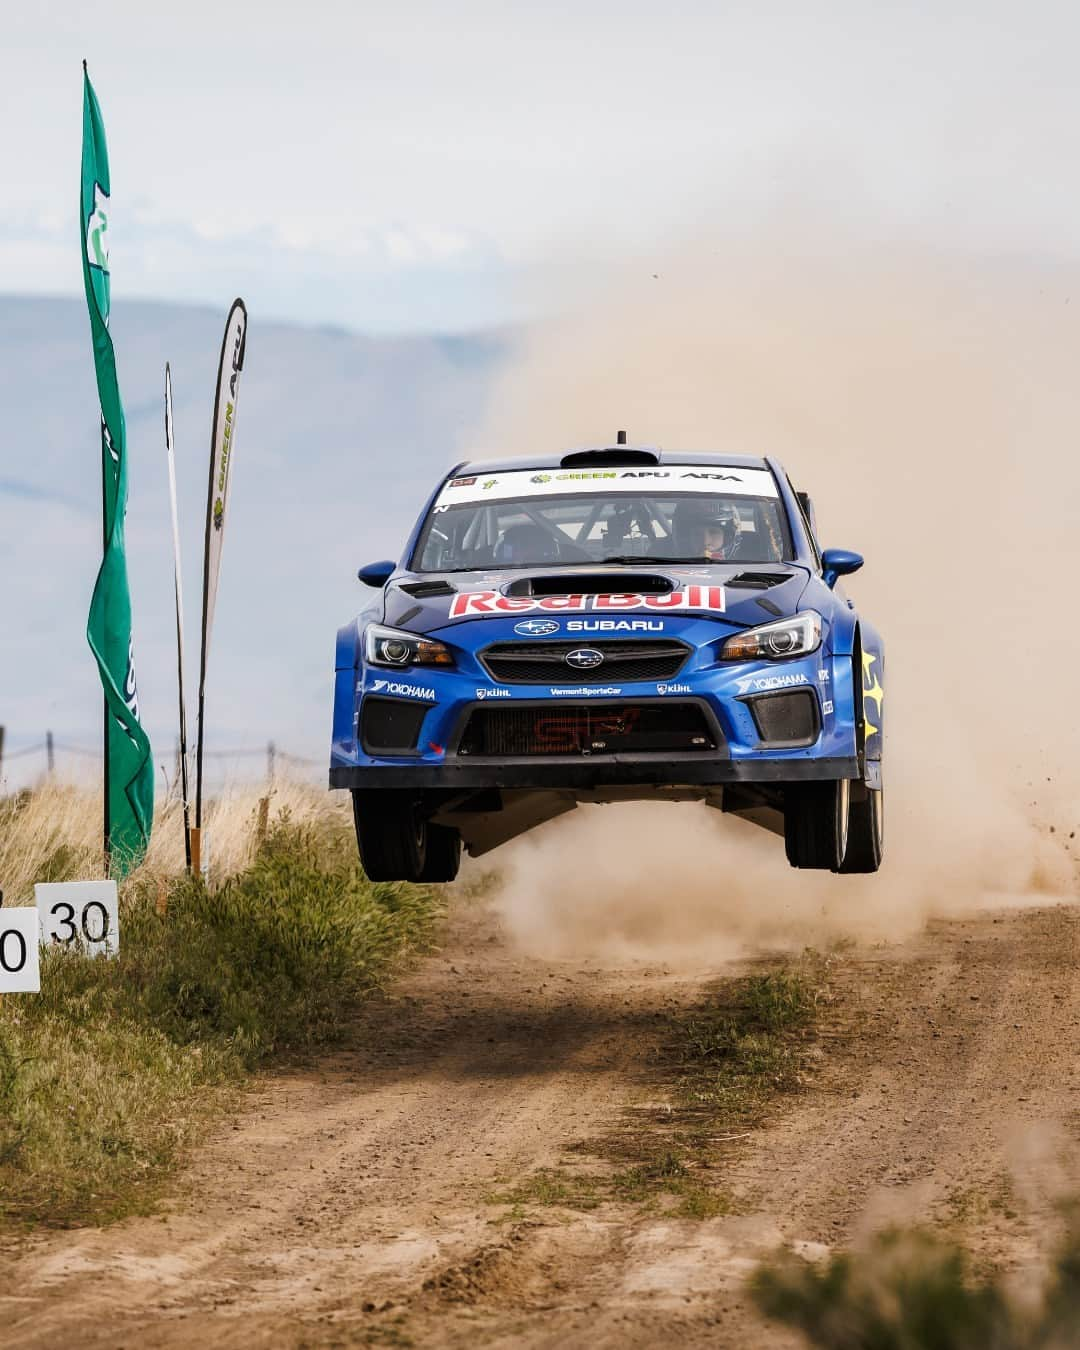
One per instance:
(786,637)
(391,647)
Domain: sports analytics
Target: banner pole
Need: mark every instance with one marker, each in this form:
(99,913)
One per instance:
(107,822)
(179,588)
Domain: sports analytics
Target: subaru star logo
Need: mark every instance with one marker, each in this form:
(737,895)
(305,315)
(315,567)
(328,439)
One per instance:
(583,658)
(536,628)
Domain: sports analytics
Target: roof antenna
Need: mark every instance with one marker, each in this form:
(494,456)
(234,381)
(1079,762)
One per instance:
(620,438)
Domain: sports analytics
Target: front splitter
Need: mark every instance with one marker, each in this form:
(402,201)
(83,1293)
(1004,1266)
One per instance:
(589,772)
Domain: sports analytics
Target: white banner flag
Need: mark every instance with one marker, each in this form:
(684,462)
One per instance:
(222,444)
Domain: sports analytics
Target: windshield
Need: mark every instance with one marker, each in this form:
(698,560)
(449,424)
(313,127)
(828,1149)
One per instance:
(677,514)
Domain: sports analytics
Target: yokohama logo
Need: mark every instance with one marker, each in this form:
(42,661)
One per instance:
(492,604)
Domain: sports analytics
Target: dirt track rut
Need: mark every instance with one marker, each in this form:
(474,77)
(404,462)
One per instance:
(352,1205)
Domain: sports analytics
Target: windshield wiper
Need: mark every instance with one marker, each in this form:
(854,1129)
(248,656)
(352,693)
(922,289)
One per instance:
(655,559)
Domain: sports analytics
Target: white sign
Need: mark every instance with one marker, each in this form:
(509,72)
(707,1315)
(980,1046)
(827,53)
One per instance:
(716,479)
(19,970)
(81,914)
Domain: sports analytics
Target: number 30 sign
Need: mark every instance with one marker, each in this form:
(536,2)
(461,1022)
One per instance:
(80,914)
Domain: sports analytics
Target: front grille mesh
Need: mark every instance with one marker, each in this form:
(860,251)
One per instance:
(586,729)
(544,662)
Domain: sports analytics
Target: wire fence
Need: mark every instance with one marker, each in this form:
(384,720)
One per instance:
(50,757)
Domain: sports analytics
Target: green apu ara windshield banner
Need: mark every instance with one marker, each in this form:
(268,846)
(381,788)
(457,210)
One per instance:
(129,768)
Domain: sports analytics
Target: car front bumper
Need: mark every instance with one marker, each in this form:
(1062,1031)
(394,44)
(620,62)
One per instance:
(584,773)
(445,760)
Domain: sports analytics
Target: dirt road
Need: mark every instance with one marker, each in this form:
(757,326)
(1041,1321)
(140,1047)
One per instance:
(358,1205)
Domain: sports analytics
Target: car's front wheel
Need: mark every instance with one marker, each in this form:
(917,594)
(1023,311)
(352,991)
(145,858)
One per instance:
(396,843)
(816,823)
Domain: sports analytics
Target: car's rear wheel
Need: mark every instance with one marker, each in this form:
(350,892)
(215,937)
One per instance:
(816,823)
(443,857)
(866,831)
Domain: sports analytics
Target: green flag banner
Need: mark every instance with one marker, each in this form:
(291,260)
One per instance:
(129,769)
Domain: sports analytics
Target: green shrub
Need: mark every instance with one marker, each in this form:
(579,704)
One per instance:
(914,1291)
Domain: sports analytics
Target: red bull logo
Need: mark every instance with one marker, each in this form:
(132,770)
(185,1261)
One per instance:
(491,604)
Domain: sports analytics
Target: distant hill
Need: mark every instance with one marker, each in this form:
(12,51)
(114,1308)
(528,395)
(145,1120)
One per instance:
(338,437)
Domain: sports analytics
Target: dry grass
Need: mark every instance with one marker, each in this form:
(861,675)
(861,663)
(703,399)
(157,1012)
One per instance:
(54,833)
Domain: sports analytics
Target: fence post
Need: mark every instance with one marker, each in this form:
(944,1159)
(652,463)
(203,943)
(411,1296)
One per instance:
(262,821)
(270,754)
(1,753)
(50,757)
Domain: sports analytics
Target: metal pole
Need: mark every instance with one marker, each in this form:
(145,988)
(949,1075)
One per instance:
(1,753)
(270,761)
(106,814)
(182,751)
(50,758)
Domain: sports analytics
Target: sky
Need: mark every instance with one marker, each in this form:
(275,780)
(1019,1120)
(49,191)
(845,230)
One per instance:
(420,167)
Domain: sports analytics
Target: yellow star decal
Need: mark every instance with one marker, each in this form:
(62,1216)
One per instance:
(872,688)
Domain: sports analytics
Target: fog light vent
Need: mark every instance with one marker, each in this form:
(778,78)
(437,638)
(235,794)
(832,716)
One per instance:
(785,720)
(390,726)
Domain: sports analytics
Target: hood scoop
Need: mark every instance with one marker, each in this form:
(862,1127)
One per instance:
(758,581)
(592,583)
(423,590)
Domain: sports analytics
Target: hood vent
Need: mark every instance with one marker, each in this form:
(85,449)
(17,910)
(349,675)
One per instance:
(422,590)
(758,581)
(592,583)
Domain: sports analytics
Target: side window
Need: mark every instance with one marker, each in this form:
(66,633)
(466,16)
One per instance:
(803,500)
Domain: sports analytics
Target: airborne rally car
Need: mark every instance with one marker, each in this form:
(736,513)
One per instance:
(612,625)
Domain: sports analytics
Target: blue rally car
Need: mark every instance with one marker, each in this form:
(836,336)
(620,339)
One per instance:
(610,625)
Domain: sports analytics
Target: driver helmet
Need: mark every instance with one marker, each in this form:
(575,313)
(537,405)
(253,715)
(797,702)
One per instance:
(707,529)
(526,543)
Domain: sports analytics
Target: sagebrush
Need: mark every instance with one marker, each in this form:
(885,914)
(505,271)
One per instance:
(913,1290)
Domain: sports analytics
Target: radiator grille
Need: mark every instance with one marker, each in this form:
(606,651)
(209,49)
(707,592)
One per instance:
(545,662)
(586,729)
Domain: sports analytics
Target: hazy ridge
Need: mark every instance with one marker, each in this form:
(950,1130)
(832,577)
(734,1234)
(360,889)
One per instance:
(339,436)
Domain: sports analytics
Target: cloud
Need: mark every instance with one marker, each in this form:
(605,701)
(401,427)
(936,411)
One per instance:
(378,278)
(34,492)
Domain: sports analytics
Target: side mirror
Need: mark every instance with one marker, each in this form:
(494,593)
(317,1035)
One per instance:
(839,562)
(377,574)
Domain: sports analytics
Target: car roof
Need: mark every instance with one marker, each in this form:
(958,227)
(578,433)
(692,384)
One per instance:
(481,466)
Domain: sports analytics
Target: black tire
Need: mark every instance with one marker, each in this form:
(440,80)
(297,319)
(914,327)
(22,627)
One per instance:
(443,854)
(866,831)
(816,823)
(391,837)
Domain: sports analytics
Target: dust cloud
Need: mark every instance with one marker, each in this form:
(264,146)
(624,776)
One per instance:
(931,406)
